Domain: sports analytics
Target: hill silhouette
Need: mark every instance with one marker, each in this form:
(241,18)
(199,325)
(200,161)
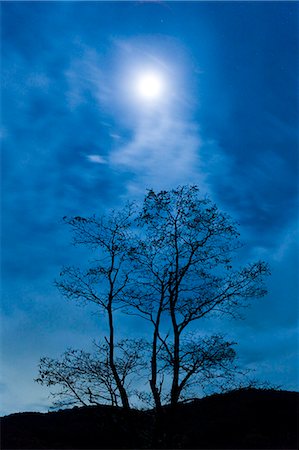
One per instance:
(243,419)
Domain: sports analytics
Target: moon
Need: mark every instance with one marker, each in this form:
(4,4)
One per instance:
(149,86)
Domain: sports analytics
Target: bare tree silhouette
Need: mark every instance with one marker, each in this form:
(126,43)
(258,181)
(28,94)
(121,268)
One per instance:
(170,262)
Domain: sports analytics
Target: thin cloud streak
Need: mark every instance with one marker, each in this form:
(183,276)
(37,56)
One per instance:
(96,159)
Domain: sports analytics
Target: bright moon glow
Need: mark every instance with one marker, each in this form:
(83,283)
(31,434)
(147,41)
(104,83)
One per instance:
(149,86)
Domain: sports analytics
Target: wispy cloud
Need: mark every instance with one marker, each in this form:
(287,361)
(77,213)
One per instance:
(96,159)
(163,152)
(85,78)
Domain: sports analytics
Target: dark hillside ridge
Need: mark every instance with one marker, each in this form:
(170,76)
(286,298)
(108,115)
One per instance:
(242,419)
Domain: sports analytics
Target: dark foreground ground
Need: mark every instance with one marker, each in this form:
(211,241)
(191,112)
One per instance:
(243,419)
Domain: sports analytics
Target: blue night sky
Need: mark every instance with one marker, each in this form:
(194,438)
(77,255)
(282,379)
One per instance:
(78,139)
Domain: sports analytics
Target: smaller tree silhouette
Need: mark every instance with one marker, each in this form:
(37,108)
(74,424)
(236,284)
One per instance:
(83,378)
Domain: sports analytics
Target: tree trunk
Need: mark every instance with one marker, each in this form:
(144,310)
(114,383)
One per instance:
(120,386)
(174,294)
(175,391)
(153,381)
